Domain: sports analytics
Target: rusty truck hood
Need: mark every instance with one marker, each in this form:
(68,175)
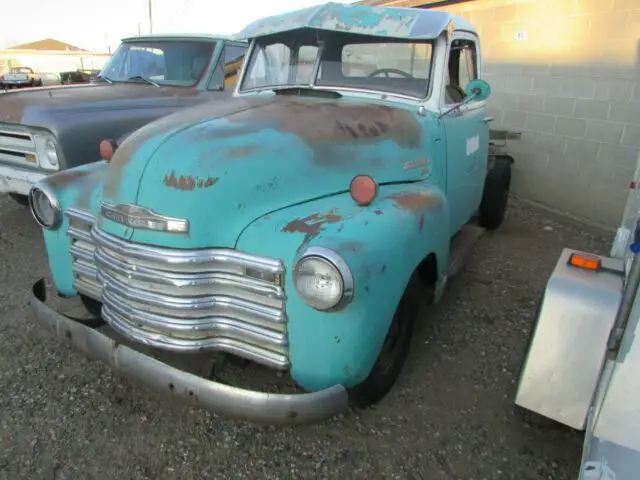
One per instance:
(32,106)
(223,165)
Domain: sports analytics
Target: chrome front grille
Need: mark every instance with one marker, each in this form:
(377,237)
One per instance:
(183,300)
(18,147)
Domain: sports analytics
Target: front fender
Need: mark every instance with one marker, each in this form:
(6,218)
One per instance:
(79,187)
(382,244)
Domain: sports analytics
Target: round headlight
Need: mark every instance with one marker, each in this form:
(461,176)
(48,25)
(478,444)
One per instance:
(44,208)
(51,152)
(323,279)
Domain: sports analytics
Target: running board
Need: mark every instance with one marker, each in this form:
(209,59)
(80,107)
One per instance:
(461,247)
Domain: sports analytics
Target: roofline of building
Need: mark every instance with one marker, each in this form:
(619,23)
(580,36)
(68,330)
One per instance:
(84,53)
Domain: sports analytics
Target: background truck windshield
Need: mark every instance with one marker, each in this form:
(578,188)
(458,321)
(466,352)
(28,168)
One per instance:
(168,62)
(345,61)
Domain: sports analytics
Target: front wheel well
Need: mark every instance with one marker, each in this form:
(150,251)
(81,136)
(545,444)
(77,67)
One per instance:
(428,274)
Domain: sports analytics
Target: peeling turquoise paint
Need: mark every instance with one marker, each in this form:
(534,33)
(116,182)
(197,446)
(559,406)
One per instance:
(409,23)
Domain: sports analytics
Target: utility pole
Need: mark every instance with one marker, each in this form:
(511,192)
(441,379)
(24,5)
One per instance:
(150,18)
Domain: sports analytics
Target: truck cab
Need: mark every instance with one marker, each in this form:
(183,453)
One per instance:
(53,129)
(299,224)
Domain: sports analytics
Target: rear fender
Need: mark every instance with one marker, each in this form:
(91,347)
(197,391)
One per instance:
(382,244)
(568,342)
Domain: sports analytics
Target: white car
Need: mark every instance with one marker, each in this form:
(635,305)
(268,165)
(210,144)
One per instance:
(20,77)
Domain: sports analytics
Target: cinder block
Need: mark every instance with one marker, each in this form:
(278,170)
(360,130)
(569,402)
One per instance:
(578,87)
(625,5)
(546,85)
(551,143)
(592,109)
(570,127)
(612,89)
(594,6)
(514,119)
(625,112)
(606,132)
(617,154)
(540,122)
(496,113)
(498,82)
(582,151)
(506,101)
(505,14)
(559,105)
(519,83)
(608,26)
(633,24)
(635,97)
(631,136)
(531,103)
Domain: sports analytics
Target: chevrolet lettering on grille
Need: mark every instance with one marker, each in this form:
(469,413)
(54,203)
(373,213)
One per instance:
(136,216)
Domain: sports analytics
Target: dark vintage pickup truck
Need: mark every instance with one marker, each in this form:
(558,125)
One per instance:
(47,130)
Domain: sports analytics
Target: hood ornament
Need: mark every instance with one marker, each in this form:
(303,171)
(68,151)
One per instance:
(136,216)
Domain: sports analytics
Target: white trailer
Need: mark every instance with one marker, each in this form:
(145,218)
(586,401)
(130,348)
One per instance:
(582,365)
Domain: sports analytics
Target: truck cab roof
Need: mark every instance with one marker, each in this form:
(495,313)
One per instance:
(391,22)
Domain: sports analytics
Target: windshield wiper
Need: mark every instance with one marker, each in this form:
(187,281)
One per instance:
(141,77)
(105,78)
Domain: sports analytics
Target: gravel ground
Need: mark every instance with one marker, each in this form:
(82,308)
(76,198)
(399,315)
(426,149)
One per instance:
(449,417)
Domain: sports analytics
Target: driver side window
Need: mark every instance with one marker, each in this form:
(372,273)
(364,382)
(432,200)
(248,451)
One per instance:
(462,68)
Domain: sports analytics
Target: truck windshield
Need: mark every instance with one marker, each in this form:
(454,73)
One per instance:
(164,62)
(21,70)
(344,61)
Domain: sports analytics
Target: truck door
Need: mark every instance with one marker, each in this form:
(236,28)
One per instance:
(466,131)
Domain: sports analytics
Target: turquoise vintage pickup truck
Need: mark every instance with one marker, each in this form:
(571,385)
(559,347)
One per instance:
(299,224)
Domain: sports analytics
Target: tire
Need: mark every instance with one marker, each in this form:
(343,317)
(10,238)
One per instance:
(496,194)
(20,199)
(394,350)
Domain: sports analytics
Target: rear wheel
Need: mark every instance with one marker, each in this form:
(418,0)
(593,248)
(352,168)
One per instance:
(20,199)
(496,194)
(394,350)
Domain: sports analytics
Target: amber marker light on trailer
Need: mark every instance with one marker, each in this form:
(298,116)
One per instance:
(107,149)
(585,261)
(363,189)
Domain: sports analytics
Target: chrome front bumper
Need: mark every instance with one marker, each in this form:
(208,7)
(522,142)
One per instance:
(225,400)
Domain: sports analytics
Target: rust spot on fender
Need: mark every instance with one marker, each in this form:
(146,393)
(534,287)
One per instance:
(378,212)
(312,224)
(188,182)
(240,152)
(421,223)
(415,201)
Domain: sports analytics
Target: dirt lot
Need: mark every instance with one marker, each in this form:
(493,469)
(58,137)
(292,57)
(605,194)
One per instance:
(450,417)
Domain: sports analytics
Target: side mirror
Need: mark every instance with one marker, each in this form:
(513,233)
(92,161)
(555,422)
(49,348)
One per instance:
(477,90)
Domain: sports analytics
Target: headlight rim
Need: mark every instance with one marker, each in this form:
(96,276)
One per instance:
(53,200)
(336,261)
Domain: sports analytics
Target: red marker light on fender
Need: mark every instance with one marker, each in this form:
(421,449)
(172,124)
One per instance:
(363,189)
(107,149)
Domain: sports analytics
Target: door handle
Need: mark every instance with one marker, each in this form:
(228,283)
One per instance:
(488,119)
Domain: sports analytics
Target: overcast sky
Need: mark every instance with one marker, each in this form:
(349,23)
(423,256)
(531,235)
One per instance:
(94,24)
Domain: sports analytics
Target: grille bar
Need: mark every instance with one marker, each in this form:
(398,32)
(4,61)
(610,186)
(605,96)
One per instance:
(18,147)
(183,300)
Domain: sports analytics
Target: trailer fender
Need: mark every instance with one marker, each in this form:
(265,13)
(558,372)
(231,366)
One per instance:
(568,343)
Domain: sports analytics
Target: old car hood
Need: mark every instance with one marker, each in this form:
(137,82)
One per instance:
(35,106)
(223,165)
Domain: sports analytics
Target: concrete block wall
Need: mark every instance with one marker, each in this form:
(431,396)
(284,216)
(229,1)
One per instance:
(567,74)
